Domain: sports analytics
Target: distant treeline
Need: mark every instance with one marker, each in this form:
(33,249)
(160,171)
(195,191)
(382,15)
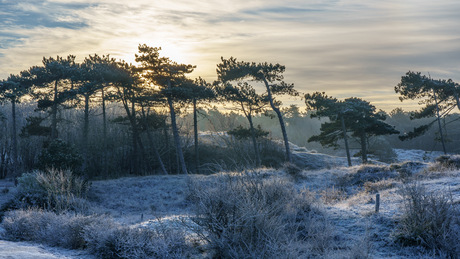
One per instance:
(115,160)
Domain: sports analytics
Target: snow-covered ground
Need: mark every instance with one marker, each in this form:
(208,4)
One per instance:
(145,201)
(26,250)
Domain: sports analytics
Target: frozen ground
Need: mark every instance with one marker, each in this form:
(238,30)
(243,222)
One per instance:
(143,201)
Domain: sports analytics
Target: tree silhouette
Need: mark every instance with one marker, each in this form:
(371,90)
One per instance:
(270,75)
(439,96)
(352,115)
(53,85)
(169,76)
(200,92)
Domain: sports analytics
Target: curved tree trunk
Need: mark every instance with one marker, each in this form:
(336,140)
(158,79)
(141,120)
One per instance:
(439,123)
(176,135)
(281,120)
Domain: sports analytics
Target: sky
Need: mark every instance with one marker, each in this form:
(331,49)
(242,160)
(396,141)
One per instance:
(346,48)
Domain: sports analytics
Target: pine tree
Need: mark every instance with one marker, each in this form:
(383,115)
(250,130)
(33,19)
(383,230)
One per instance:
(272,78)
(53,86)
(439,96)
(353,115)
(169,76)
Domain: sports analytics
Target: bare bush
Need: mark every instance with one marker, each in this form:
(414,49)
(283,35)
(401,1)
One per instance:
(244,216)
(430,220)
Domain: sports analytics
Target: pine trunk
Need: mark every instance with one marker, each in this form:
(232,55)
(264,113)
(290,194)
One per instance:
(104,132)
(168,147)
(195,133)
(135,158)
(254,140)
(180,155)
(363,147)
(14,136)
(85,132)
(345,138)
(154,147)
(281,120)
(54,112)
(439,123)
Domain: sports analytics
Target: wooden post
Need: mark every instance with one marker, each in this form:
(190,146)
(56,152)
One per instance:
(377,202)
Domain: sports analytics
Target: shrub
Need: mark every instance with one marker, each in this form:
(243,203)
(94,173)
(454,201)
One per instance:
(449,161)
(366,173)
(57,190)
(375,187)
(47,227)
(115,241)
(407,169)
(100,235)
(293,170)
(332,195)
(430,220)
(244,216)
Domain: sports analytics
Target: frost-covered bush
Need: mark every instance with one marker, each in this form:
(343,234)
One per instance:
(430,220)
(57,190)
(407,169)
(366,173)
(111,240)
(46,227)
(245,216)
(293,170)
(375,187)
(449,161)
(100,235)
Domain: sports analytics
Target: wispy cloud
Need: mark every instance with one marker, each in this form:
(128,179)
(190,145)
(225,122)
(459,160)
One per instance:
(346,48)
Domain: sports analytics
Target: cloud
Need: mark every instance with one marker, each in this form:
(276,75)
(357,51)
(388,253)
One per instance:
(31,14)
(346,48)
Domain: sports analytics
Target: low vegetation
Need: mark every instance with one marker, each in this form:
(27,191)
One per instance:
(245,216)
(431,220)
(263,213)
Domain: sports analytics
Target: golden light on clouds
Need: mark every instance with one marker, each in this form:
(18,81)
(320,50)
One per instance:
(346,48)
